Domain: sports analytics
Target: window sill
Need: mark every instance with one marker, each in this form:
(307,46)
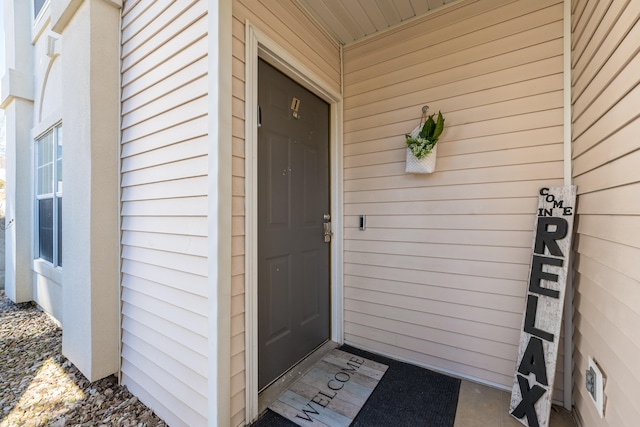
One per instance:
(46,269)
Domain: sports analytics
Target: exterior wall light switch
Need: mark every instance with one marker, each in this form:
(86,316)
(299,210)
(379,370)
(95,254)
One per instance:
(363,222)
(594,382)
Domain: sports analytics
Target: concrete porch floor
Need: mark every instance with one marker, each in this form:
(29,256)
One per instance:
(478,405)
(482,406)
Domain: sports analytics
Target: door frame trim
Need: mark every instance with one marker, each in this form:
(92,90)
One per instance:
(259,45)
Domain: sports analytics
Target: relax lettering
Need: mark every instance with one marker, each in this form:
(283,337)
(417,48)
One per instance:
(533,361)
(529,398)
(544,239)
(549,230)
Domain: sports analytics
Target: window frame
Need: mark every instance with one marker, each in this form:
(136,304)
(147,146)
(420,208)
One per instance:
(55,195)
(37,11)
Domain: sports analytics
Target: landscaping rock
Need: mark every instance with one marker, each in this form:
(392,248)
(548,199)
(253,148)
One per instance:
(40,387)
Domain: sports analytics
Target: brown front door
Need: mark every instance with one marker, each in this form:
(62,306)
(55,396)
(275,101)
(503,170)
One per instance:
(293,198)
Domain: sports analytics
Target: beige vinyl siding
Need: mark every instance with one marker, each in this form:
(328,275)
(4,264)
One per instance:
(164,207)
(285,23)
(606,156)
(439,275)
(237,230)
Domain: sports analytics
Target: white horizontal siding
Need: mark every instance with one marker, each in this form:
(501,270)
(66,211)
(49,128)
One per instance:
(606,125)
(192,226)
(164,208)
(439,275)
(181,132)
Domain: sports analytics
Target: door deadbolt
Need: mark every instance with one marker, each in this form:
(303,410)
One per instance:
(326,228)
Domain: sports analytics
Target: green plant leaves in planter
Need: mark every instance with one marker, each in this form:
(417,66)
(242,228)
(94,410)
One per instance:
(428,136)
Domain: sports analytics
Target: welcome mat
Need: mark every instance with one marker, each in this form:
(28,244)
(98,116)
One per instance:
(406,396)
(332,392)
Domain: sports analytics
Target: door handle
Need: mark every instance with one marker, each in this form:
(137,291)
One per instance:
(326,227)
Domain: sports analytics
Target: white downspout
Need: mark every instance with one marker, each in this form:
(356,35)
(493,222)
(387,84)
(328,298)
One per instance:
(119,203)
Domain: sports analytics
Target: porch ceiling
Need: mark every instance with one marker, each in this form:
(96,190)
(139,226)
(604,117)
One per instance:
(350,20)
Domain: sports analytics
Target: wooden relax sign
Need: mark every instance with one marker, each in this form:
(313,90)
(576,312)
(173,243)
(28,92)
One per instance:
(538,351)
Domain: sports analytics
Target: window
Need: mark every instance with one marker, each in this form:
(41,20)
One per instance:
(49,196)
(37,7)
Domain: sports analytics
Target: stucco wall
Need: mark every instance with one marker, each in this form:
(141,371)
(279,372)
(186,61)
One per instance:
(47,113)
(17,102)
(90,200)
(42,88)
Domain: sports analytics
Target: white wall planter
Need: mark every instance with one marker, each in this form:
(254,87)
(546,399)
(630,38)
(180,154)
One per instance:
(425,165)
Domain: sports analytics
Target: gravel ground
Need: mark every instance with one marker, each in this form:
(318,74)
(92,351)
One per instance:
(40,387)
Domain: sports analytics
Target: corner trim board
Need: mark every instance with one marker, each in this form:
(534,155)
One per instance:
(219,212)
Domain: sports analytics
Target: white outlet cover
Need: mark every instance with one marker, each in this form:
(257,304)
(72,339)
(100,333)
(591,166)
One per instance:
(599,399)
